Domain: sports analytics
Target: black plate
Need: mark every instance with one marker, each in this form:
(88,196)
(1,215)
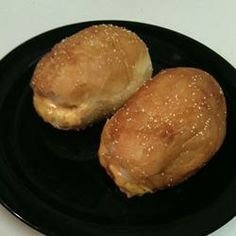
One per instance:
(52,180)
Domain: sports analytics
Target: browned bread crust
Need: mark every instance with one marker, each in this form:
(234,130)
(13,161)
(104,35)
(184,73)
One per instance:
(89,75)
(165,132)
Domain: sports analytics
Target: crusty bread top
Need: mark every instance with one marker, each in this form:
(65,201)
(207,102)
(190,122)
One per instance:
(93,61)
(165,132)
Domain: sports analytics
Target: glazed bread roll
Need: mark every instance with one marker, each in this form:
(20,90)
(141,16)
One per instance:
(89,75)
(165,132)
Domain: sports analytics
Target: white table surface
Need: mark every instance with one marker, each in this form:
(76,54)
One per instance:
(212,22)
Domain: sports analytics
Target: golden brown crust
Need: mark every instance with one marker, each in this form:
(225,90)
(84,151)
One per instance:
(165,132)
(93,71)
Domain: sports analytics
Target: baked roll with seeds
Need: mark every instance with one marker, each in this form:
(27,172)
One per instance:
(166,131)
(89,75)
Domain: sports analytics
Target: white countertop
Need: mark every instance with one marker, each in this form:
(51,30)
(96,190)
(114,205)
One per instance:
(208,21)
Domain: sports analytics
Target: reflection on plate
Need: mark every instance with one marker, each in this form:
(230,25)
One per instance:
(52,180)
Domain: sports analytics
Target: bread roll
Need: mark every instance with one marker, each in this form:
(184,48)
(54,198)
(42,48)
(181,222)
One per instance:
(89,75)
(166,131)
